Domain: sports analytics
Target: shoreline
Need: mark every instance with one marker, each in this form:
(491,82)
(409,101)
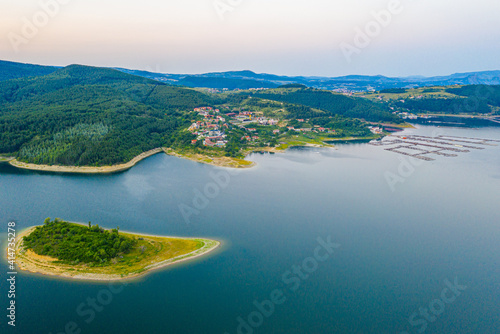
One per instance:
(217,161)
(5,158)
(42,265)
(85,169)
(226,162)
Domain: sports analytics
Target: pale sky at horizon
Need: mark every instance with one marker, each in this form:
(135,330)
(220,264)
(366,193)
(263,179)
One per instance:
(286,37)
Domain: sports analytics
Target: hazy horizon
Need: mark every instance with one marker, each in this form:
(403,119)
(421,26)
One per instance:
(256,72)
(280,37)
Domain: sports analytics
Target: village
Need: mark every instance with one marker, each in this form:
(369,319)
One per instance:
(212,126)
(211,129)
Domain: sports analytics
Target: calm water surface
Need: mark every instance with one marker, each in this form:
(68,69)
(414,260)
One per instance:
(397,246)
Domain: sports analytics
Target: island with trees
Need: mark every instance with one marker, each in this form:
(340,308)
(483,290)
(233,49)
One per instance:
(89,252)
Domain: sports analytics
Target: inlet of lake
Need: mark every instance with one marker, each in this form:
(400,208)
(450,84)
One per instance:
(414,249)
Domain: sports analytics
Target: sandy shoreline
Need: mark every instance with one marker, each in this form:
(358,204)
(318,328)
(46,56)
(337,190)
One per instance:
(34,263)
(220,161)
(87,169)
(5,158)
(214,161)
(200,158)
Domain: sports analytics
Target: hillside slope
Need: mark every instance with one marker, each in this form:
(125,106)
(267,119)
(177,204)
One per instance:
(470,99)
(11,70)
(332,103)
(82,115)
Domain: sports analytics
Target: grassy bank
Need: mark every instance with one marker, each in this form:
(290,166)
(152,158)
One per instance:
(149,253)
(213,159)
(5,158)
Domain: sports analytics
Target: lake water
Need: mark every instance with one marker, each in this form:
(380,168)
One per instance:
(396,245)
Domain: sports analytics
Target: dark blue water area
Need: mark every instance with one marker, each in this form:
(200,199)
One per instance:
(397,243)
(456,121)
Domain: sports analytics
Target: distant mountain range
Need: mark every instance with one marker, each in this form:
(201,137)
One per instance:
(90,116)
(247,79)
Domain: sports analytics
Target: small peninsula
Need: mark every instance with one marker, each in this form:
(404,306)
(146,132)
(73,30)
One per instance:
(76,251)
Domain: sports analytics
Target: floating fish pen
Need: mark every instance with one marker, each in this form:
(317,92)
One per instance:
(422,146)
(477,141)
(424,139)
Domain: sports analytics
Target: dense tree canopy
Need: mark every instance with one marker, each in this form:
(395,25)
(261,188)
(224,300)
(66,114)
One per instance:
(450,106)
(488,94)
(87,116)
(76,243)
(332,103)
(37,116)
(11,70)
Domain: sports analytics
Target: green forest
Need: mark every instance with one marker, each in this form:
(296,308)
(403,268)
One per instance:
(88,116)
(450,106)
(11,70)
(221,83)
(72,243)
(344,126)
(470,99)
(482,93)
(332,103)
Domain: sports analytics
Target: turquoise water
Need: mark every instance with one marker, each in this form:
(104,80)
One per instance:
(396,246)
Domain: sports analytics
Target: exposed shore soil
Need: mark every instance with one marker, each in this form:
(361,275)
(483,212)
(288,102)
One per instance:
(214,161)
(86,169)
(219,161)
(27,260)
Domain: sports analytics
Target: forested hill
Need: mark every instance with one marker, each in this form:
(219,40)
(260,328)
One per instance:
(82,115)
(221,83)
(11,70)
(66,78)
(332,103)
(88,116)
(471,99)
(248,79)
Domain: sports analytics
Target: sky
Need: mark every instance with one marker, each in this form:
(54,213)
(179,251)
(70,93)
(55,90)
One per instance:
(286,37)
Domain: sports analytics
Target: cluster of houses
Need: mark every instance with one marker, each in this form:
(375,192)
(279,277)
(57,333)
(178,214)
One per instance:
(376,129)
(407,115)
(250,138)
(211,126)
(211,129)
(247,117)
(344,91)
(316,129)
(411,97)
